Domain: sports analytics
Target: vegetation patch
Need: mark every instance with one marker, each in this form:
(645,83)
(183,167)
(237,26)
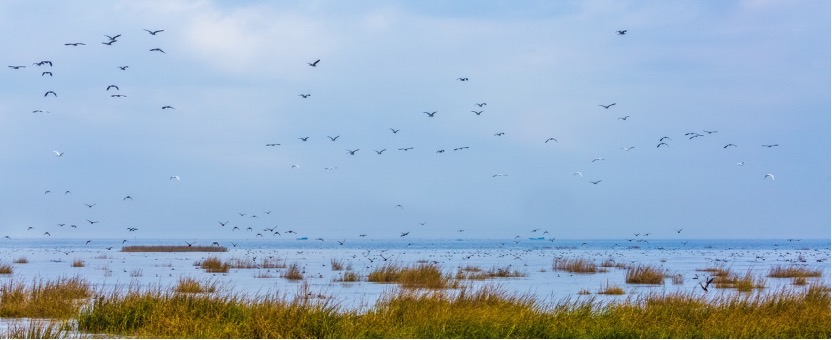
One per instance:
(792,271)
(21,260)
(77,263)
(611,289)
(577,265)
(421,275)
(59,298)
(171,249)
(191,285)
(293,272)
(213,265)
(5,269)
(644,274)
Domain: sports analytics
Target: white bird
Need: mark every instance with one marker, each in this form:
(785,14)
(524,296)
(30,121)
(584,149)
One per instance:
(741,163)
(174,177)
(58,153)
(578,173)
(767,176)
(628,149)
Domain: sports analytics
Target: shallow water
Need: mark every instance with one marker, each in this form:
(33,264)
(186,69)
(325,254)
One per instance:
(113,269)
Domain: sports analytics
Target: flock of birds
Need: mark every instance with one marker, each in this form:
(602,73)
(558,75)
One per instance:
(245,223)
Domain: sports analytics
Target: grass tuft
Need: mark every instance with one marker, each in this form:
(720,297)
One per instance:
(21,260)
(170,249)
(578,265)
(191,285)
(5,269)
(644,274)
(792,271)
(77,263)
(293,272)
(611,289)
(213,265)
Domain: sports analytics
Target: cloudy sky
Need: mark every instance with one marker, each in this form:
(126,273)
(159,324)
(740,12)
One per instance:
(706,74)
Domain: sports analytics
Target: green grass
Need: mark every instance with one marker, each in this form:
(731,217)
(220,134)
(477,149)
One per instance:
(487,312)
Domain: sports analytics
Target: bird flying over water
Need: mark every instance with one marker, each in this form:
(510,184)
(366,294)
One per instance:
(48,92)
(430,114)
(551,139)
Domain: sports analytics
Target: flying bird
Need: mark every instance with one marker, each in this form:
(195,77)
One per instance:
(707,283)
(430,114)
(127,197)
(352,152)
(662,143)
(578,173)
(405,234)
(93,222)
(153,32)
(770,145)
(621,32)
(394,130)
(727,145)
(462,79)
(333,138)
(405,149)
(498,175)
(168,107)
(112,86)
(305,95)
(74,44)
(123,68)
(606,106)
(174,177)
(551,139)
(628,148)
(499,133)
(595,182)
(481,104)
(58,153)
(272,144)
(768,175)
(624,118)
(46,73)
(314,63)
(48,92)
(303,138)
(380,151)
(157,50)
(477,112)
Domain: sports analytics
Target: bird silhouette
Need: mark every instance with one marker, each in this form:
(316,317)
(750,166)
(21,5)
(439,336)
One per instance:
(707,283)
(58,154)
(380,151)
(74,44)
(333,138)
(314,63)
(304,95)
(727,145)
(394,130)
(621,32)
(123,68)
(46,73)
(157,50)
(352,152)
(769,175)
(430,114)
(152,32)
(595,182)
(48,92)
(481,104)
(606,106)
(112,86)
(551,139)
(477,112)
(168,107)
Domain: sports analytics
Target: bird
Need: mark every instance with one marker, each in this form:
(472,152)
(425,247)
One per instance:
(109,43)
(621,32)
(333,138)
(430,114)
(662,143)
(462,79)
(707,283)
(132,229)
(157,50)
(551,139)
(118,95)
(74,44)
(295,166)
(303,138)
(90,205)
(168,107)
(578,173)
(405,149)
(477,112)
(341,243)
(273,144)
(741,163)
(47,234)
(606,106)
(595,182)
(405,234)
(16,67)
(362,235)
(598,159)
(92,222)
(380,151)
(460,148)
(58,153)
(127,197)
(399,206)
(624,118)
(112,86)
(679,231)
(770,145)
(481,104)
(175,177)
(727,145)
(45,73)
(394,130)
(499,133)
(43,62)
(305,95)
(628,148)
(314,63)
(767,176)
(498,175)
(153,32)
(663,138)
(48,92)
(709,131)
(352,152)
(123,68)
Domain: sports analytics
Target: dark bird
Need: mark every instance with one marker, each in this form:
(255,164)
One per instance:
(30,228)
(74,44)
(93,222)
(405,234)
(707,283)
(440,151)
(157,50)
(222,224)
(709,132)
(362,235)
(352,152)
(499,133)
(314,63)
(663,138)
(47,234)
(622,32)
(189,244)
(333,138)
(48,92)
(551,139)
(462,79)
(109,43)
(16,67)
(481,104)
(118,95)
(727,145)
(46,73)
(215,243)
(477,112)
(132,229)
(394,130)
(430,114)
(303,138)
(595,182)
(770,145)
(380,151)
(272,144)
(152,32)
(460,148)
(113,37)
(123,68)
(606,106)
(679,231)
(168,107)
(662,143)
(304,95)
(90,205)
(498,175)
(399,206)
(341,243)
(624,118)
(112,86)
(405,149)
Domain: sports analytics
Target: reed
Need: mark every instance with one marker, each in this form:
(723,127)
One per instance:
(799,281)
(577,265)
(336,264)
(213,265)
(293,272)
(193,286)
(58,298)
(77,263)
(644,274)
(495,272)
(21,260)
(677,279)
(792,271)
(38,329)
(169,249)
(348,276)
(611,289)
(136,272)
(5,269)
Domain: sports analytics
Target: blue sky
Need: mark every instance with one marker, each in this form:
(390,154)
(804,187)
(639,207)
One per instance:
(757,72)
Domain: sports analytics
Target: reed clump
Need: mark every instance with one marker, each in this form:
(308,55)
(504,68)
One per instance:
(293,272)
(644,274)
(336,264)
(611,289)
(576,265)
(170,249)
(194,286)
(39,329)
(348,276)
(58,298)
(792,271)
(21,260)
(6,269)
(421,275)
(77,263)
(213,265)
(495,272)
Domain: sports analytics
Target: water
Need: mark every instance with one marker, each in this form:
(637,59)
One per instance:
(112,269)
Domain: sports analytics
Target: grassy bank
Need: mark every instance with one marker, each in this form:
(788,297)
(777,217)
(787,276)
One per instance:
(486,312)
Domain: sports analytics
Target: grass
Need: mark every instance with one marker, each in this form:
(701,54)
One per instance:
(191,285)
(336,264)
(38,329)
(744,283)
(21,260)
(169,249)
(486,312)
(421,275)
(5,269)
(479,274)
(578,265)
(136,272)
(611,289)
(58,298)
(213,265)
(792,271)
(77,263)
(644,274)
(677,279)
(348,276)
(293,272)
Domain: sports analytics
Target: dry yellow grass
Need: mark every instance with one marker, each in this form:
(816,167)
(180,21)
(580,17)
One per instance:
(191,285)
(169,249)
(577,265)
(611,289)
(21,260)
(77,263)
(213,265)
(792,271)
(644,274)
(5,269)
(293,272)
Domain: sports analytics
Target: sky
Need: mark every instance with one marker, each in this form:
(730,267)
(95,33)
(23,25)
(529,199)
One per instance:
(720,79)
